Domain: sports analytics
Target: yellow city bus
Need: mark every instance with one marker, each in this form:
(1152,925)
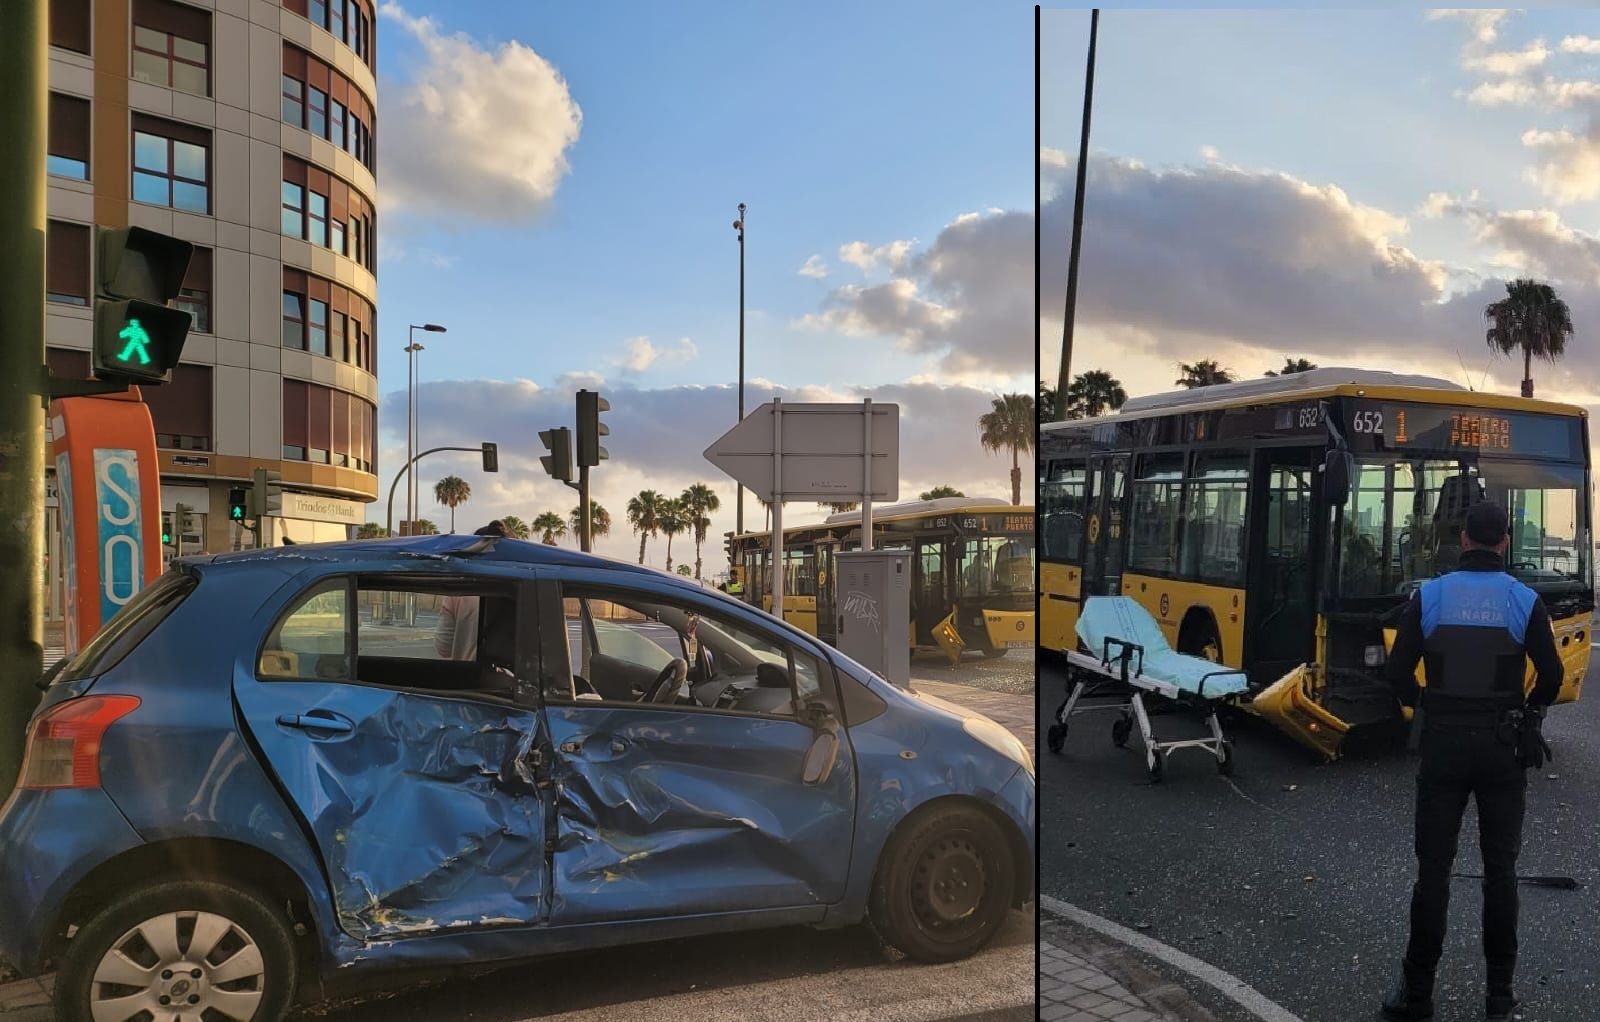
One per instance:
(1276,525)
(972,571)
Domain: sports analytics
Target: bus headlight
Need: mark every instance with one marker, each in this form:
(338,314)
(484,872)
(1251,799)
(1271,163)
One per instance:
(1374,656)
(999,739)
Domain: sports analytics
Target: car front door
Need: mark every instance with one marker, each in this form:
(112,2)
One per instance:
(408,744)
(709,792)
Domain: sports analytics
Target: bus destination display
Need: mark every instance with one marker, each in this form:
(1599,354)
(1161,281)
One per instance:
(1421,427)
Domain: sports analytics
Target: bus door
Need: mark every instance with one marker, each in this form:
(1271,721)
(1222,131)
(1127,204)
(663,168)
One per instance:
(1103,539)
(930,597)
(827,623)
(1280,611)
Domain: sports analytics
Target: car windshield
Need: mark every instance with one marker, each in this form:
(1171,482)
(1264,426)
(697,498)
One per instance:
(1404,519)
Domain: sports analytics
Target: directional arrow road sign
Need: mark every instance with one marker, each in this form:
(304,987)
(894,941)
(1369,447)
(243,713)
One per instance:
(822,451)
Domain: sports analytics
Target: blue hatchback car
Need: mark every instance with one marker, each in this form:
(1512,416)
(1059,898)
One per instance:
(277,769)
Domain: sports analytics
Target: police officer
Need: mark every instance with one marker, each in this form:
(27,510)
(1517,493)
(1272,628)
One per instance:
(1474,630)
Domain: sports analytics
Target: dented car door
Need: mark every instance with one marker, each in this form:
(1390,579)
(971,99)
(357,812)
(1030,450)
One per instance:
(423,805)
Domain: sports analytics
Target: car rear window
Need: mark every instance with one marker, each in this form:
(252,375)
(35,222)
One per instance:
(128,627)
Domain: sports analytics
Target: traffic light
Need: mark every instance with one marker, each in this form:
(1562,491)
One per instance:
(491,457)
(138,337)
(591,429)
(237,511)
(558,463)
(181,523)
(266,495)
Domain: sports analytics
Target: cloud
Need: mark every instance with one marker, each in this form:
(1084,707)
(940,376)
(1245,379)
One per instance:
(657,436)
(476,133)
(1209,153)
(640,354)
(1580,44)
(1570,168)
(967,298)
(1508,62)
(814,268)
(1483,24)
(866,258)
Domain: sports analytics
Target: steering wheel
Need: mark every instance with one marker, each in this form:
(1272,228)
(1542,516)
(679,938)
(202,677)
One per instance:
(665,688)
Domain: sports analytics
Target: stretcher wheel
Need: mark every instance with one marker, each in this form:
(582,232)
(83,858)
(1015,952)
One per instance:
(1225,759)
(1055,737)
(1156,762)
(1120,729)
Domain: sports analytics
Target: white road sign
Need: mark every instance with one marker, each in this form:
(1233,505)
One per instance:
(822,451)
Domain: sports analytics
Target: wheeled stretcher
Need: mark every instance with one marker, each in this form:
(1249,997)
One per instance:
(1135,661)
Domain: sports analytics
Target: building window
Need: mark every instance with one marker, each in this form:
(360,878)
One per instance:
(294,210)
(316,111)
(318,12)
(317,220)
(162,58)
(336,20)
(336,122)
(66,257)
(69,137)
(181,410)
(194,297)
(294,102)
(338,346)
(336,237)
(171,171)
(294,321)
(292,452)
(69,24)
(318,324)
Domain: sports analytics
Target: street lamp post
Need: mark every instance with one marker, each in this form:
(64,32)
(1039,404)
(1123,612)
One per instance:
(411,413)
(738,225)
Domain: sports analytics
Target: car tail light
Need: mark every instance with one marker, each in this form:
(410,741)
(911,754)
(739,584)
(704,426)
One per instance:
(64,745)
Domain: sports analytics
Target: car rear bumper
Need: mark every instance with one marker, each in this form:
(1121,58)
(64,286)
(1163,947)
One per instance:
(52,839)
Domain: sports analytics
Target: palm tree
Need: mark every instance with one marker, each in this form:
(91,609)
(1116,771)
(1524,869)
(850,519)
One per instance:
(1093,393)
(515,527)
(452,492)
(674,518)
(550,527)
(599,520)
(1047,402)
(1292,366)
(424,527)
(371,530)
(644,514)
(700,501)
(839,506)
(940,491)
(683,569)
(1009,424)
(1202,374)
(1532,317)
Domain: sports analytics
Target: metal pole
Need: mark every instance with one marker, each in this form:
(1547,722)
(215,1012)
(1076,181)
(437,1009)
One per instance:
(1065,376)
(585,526)
(866,474)
(23,64)
(777,508)
(738,523)
(411,420)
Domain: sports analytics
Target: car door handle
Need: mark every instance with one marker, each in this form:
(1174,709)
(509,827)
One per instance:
(309,722)
(577,746)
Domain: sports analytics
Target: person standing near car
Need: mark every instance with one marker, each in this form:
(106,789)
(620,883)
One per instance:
(1474,630)
(455,637)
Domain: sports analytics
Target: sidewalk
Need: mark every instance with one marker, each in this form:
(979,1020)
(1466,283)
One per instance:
(1085,979)
(1013,712)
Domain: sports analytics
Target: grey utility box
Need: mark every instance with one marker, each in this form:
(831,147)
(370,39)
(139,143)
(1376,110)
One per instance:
(872,596)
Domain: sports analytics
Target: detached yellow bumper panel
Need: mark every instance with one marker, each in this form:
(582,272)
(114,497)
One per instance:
(1009,629)
(1290,706)
(949,639)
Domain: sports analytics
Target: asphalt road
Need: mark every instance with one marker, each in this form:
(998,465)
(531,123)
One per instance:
(1296,876)
(786,975)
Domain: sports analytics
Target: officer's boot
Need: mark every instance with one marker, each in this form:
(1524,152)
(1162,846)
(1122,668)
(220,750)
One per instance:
(1501,1004)
(1411,1000)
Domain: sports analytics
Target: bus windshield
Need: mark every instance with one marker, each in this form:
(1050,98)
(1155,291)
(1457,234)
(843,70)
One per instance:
(995,565)
(1404,519)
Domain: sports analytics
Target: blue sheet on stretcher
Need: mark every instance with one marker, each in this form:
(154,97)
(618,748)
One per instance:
(1121,617)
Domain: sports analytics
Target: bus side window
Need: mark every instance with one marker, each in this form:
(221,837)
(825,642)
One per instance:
(1062,504)
(1157,497)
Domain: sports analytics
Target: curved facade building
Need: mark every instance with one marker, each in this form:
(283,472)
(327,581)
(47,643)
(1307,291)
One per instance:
(246,127)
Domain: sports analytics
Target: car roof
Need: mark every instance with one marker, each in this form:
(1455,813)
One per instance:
(408,548)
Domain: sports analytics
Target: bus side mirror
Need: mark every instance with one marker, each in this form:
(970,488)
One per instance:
(1337,468)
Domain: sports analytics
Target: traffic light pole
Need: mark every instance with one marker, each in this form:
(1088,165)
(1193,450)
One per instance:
(23,104)
(585,521)
(388,521)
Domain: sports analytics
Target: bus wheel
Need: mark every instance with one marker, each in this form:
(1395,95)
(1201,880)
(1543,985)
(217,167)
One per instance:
(990,653)
(1198,637)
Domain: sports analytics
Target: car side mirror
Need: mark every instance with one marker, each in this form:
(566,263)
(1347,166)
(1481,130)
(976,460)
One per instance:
(823,753)
(1337,469)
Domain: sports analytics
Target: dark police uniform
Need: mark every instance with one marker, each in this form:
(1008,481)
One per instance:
(1473,629)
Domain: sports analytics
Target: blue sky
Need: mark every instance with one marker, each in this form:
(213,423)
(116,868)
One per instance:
(1399,161)
(837,124)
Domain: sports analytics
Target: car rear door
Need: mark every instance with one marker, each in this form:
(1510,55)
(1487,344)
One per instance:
(414,773)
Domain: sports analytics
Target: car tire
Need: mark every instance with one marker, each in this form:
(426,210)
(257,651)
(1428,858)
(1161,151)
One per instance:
(944,884)
(253,947)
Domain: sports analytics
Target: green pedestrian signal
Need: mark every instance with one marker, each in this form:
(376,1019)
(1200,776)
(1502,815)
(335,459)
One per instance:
(236,504)
(138,337)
